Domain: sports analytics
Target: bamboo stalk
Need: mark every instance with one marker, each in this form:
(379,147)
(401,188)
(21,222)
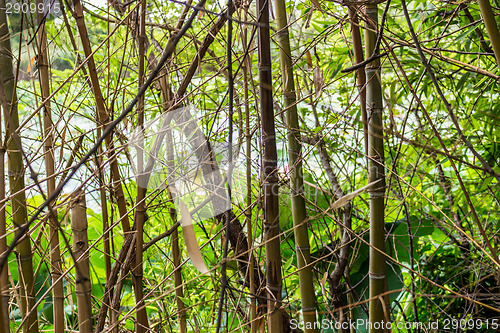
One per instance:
(210,168)
(376,172)
(83,285)
(140,213)
(299,212)
(102,115)
(345,229)
(360,72)
(111,281)
(343,258)
(174,240)
(103,118)
(4,278)
(16,175)
(179,292)
(48,147)
(269,174)
(105,216)
(248,213)
(114,312)
(491,26)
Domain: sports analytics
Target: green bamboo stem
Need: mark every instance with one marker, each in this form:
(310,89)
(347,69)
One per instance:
(376,171)
(491,27)
(83,285)
(269,174)
(16,176)
(299,212)
(48,147)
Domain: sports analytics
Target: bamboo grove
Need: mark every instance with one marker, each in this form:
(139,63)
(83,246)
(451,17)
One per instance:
(249,166)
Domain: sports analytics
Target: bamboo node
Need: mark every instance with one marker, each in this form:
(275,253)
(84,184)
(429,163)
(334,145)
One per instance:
(376,194)
(24,257)
(15,173)
(273,288)
(375,276)
(269,226)
(82,279)
(372,68)
(359,2)
(309,309)
(282,32)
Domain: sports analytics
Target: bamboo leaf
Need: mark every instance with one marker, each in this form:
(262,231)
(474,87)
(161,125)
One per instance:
(288,264)
(466,32)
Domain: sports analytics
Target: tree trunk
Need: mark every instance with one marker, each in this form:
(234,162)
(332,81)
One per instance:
(299,212)
(269,174)
(16,176)
(376,172)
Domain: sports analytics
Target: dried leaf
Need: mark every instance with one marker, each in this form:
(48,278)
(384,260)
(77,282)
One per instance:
(309,60)
(322,283)
(348,197)
(193,250)
(318,82)
(316,4)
